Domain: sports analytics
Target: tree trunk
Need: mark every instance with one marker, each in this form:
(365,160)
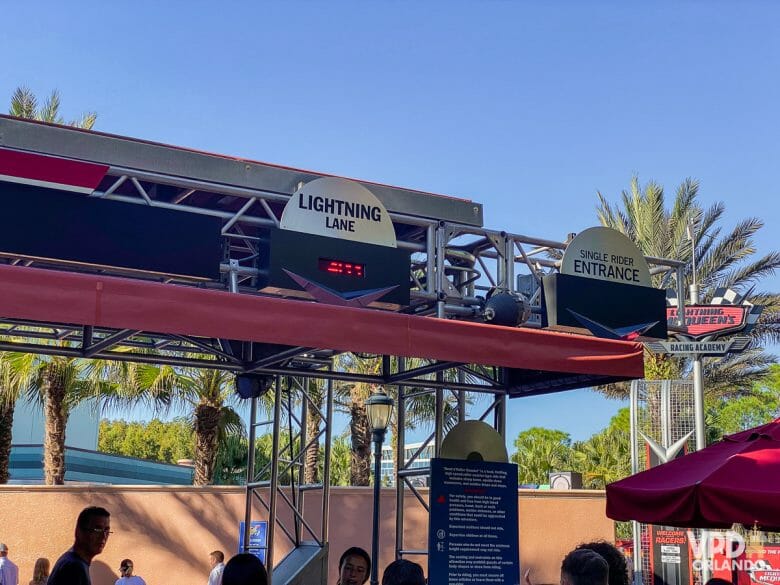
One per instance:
(360,463)
(56,416)
(207,418)
(6,424)
(313,420)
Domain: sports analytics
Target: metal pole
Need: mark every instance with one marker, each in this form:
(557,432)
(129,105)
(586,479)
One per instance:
(636,529)
(379,436)
(701,439)
(326,458)
(274,484)
(400,463)
(250,474)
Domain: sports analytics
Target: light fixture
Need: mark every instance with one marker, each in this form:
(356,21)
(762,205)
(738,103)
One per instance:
(379,408)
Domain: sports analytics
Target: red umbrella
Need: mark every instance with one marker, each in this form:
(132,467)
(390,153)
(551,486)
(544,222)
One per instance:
(736,480)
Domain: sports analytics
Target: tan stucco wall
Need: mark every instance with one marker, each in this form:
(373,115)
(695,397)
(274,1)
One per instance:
(169,532)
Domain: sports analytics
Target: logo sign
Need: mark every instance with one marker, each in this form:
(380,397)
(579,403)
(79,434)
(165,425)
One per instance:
(258,538)
(338,208)
(713,348)
(770,577)
(606,254)
(710,320)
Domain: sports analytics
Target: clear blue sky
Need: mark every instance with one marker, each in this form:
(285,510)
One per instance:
(527,107)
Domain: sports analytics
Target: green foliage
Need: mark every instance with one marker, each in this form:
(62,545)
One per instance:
(606,456)
(24,104)
(603,458)
(156,440)
(760,406)
(540,451)
(723,258)
(340,454)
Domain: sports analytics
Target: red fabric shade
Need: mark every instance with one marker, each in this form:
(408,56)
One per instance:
(87,299)
(736,480)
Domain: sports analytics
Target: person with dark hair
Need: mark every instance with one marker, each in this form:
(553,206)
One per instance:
(244,569)
(618,568)
(126,576)
(403,572)
(92,529)
(584,567)
(217,562)
(354,566)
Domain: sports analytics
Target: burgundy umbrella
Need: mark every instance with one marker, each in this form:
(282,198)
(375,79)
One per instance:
(736,480)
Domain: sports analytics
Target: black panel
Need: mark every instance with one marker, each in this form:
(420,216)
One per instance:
(301,253)
(522,382)
(59,225)
(608,303)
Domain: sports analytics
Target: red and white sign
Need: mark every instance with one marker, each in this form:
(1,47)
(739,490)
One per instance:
(709,320)
(50,171)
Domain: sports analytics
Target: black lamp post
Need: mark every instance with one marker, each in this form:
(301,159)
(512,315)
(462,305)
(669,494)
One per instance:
(379,407)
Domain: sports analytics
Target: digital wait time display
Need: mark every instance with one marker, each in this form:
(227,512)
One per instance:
(342,267)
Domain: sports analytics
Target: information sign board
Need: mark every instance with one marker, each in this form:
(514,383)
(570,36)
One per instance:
(258,538)
(473,534)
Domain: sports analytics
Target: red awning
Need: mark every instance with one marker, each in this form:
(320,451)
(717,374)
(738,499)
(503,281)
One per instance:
(734,481)
(123,303)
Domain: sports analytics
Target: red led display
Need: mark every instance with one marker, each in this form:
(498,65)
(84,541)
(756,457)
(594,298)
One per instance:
(343,268)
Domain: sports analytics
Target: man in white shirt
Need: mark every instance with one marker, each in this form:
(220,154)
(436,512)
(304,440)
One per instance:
(9,572)
(217,562)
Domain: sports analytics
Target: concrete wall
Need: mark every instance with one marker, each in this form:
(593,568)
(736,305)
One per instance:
(170,531)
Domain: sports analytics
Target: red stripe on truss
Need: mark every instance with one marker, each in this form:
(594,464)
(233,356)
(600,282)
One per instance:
(38,168)
(122,303)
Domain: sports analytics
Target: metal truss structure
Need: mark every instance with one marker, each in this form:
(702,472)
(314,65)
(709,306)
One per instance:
(455,264)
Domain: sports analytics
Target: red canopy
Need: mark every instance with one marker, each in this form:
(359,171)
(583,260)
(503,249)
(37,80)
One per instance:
(124,303)
(734,481)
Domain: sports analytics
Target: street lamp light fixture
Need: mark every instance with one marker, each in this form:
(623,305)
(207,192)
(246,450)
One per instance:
(379,408)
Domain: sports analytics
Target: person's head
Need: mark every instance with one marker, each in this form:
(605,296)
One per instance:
(92,529)
(244,569)
(126,568)
(618,568)
(354,566)
(403,572)
(41,569)
(3,549)
(584,567)
(216,557)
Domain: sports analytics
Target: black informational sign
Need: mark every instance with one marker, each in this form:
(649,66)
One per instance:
(473,534)
(670,557)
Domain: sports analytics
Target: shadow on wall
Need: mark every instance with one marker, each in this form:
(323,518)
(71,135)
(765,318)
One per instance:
(138,522)
(100,572)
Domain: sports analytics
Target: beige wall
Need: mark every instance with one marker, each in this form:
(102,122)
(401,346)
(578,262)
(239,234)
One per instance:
(169,531)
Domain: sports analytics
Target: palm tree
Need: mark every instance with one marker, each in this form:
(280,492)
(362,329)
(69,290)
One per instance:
(723,260)
(60,384)
(206,393)
(24,104)
(311,468)
(351,398)
(10,392)
(540,451)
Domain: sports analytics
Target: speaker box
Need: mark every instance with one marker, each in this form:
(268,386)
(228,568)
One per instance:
(253,385)
(565,480)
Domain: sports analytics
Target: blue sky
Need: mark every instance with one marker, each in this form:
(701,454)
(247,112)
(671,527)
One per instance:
(527,107)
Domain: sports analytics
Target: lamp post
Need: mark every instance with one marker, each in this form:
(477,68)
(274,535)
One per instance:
(379,407)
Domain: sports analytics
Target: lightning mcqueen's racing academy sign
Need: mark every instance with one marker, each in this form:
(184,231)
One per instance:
(705,323)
